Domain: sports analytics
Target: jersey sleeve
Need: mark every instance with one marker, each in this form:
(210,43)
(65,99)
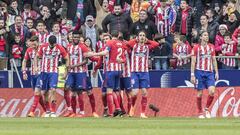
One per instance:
(63,51)
(152,44)
(131,43)
(194,50)
(26,55)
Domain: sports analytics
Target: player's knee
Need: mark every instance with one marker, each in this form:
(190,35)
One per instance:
(199,94)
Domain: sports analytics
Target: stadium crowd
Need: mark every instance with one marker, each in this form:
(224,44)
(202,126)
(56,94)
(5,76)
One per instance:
(174,24)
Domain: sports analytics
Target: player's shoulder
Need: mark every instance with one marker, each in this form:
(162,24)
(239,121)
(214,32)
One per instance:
(29,49)
(211,45)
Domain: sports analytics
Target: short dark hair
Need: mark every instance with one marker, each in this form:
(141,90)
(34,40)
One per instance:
(52,40)
(41,21)
(114,33)
(227,34)
(34,38)
(75,32)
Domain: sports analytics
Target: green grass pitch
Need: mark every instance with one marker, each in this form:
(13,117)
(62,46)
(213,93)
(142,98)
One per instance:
(119,126)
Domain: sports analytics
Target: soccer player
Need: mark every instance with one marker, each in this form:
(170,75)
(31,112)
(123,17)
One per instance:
(30,55)
(41,32)
(50,54)
(115,49)
(139,69)
(103,60)
(202,75)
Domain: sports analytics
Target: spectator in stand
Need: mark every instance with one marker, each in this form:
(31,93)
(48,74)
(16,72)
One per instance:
(163,49)
(229,48)
(29,25)
(46,16)
(42,32)
(198,7)
(238,50)
(182,51)
(3,11)
(185,20)
(144,24)
(211,29)
(17,50)
(18,27)
(117,21)
(84,7)
(212,25)
(28,12)
(91,30)
(219,39)
(53,5)
(4,47)
(232,22)
(165,18)
(13,11)
(136,7)
(102,11)
(61,40)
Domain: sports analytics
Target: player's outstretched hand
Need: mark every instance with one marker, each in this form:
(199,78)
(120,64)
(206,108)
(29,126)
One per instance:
(193,79)
(25,76)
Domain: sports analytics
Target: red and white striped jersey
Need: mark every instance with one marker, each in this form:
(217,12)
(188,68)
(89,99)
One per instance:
(230,50)
(30,55)
(50,57)
(42,37)
(116,49)
(140,55)
(75,53)
(182,50)
(102,60)
(99,46)
(127,65)
(204,57)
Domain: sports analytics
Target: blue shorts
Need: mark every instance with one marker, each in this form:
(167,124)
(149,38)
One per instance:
(89,84)
(204,79)
(47,81)
(125,83)
(76,81)
(140,80)
(113,80)
(104,84)
(34,79)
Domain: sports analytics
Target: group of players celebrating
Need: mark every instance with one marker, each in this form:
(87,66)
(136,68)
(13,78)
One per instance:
(125,67)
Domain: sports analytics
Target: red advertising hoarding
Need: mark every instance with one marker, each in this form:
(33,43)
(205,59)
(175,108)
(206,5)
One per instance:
(172,102)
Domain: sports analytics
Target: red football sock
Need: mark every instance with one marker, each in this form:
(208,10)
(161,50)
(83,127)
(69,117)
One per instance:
(134,98)
(110,103)
(74,103)
(81,102)
(104,100)
(115,99)
(199,104)
(35,102)
(144,103)
(92,102)
(120,100)
(209,101)
(42,103)
(67,97)
(53,106)
(129,104)
(47,106)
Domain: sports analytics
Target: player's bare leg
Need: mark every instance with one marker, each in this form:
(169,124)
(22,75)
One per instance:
(144,103)
(199,104)
(210,98)
(121,103)
(92,103)
(73,104)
